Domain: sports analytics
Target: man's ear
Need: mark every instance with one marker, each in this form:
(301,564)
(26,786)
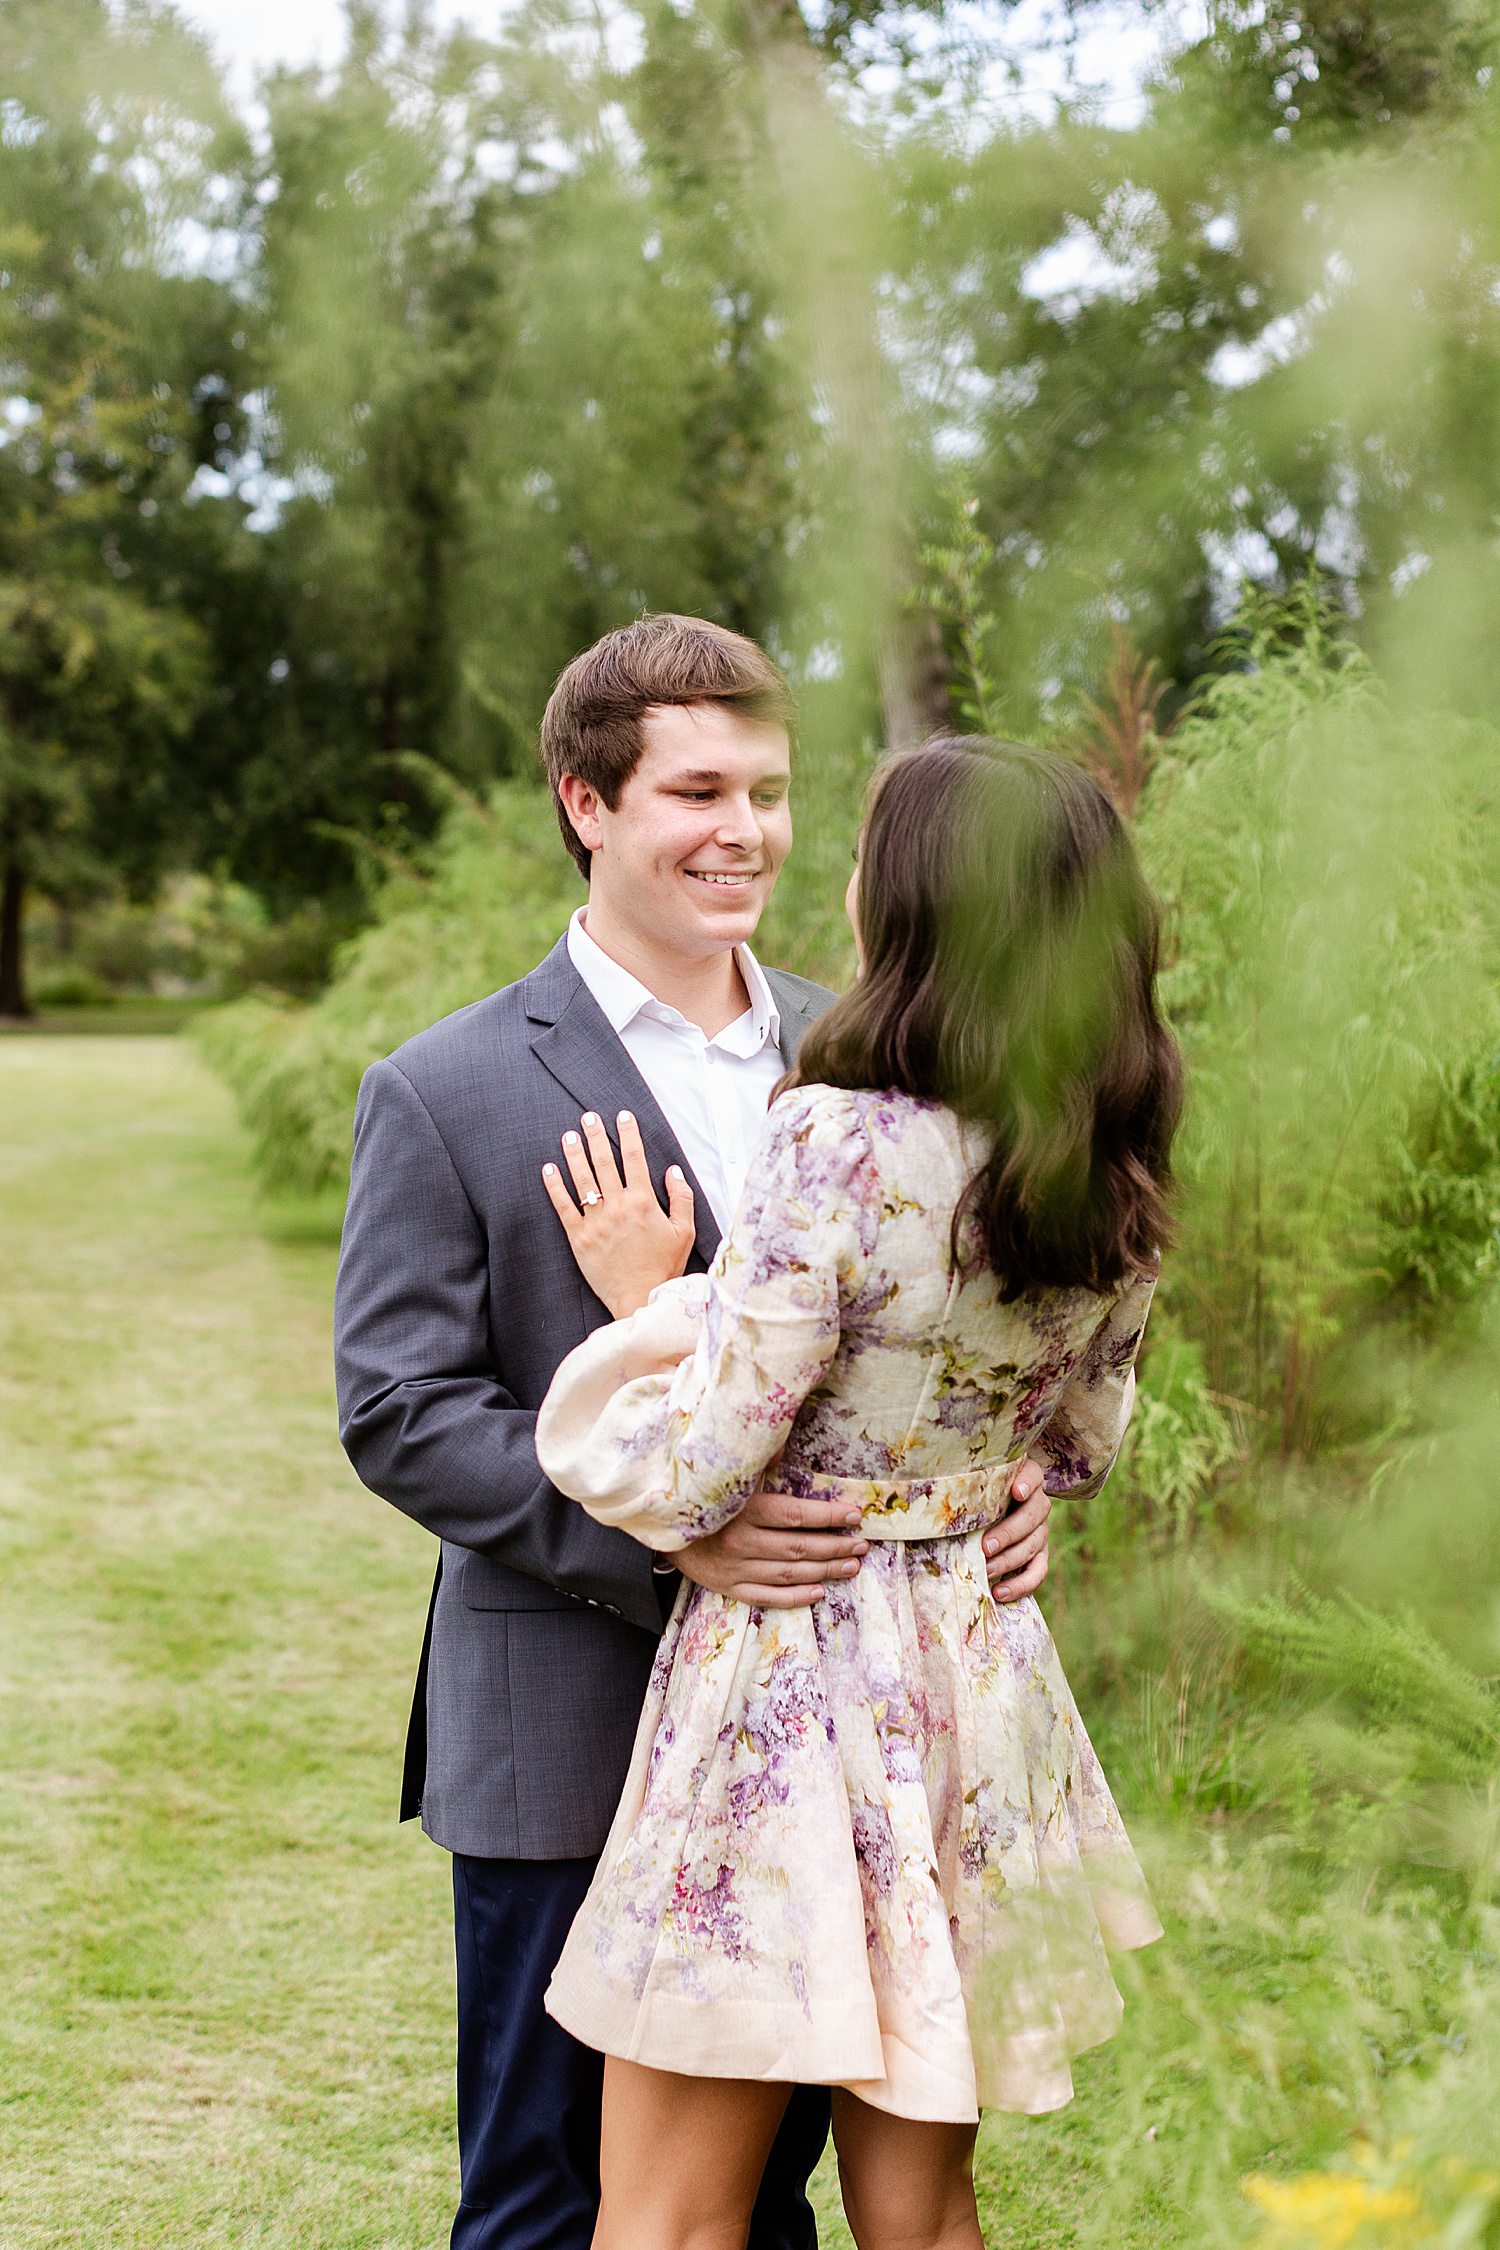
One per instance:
(581,804)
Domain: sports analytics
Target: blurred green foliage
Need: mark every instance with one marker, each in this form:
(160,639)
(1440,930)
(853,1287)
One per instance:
(335,440)
(108,348)
(1174,440)
(195,939)
(1327,864)
(478,911)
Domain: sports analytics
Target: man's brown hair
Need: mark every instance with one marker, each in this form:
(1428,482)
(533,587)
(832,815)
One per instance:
(592,724)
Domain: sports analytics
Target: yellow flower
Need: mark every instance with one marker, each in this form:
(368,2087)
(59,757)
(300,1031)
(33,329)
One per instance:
(1329,2210)
(1371,2206)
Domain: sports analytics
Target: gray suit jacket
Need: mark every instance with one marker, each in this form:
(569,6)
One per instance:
(457,1298)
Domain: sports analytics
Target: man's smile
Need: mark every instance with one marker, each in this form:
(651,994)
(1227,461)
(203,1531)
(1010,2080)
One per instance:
(722,877)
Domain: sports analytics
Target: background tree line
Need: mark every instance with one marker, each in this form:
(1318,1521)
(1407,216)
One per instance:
(330,434)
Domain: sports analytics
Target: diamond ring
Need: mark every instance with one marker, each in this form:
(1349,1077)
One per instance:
(596,1197)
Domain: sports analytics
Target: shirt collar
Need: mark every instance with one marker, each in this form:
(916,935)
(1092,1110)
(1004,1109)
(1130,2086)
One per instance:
(623,997)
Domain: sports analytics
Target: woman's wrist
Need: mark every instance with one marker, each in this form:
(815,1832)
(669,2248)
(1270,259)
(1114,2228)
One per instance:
(631,1295)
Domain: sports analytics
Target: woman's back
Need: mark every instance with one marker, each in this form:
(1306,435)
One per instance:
(934,1374)
(838,1335)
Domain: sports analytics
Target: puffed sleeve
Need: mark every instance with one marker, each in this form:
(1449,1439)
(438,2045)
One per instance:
(1077,1448)
(664,1423)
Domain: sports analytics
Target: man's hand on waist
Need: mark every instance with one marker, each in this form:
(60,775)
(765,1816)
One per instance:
(784,1553)
(1015,1548)
(779,1552)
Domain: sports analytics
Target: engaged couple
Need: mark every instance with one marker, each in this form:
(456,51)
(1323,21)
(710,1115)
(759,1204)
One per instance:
(735,1339)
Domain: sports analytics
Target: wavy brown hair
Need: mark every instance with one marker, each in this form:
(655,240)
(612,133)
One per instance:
(1009,967)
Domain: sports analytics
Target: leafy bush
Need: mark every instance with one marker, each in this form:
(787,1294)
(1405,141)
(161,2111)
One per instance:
(1390,1671)
(492,899)
(1332,968)
(1179,1437)
(1179,1440)
(1442,1212)
(1312,2057)
(71,988)
(196,936)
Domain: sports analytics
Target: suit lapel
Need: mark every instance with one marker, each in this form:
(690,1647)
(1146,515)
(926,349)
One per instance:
(577,1043)
(794,1015)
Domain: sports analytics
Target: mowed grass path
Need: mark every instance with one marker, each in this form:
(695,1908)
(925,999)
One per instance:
(225,2016)
(225,2012)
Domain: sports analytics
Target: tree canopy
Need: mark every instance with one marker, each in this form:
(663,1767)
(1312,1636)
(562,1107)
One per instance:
(331,440)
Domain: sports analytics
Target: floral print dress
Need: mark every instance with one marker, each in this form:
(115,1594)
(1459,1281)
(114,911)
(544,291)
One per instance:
(866,1843)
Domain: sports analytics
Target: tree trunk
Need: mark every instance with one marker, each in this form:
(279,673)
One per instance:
(913,672)
(13,1000)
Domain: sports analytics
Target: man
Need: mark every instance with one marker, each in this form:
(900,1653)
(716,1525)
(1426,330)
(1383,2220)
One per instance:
(667,747)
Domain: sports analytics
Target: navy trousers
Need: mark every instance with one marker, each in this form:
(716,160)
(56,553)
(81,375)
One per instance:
(528,2093)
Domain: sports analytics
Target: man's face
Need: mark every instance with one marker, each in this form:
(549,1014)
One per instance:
(689,856)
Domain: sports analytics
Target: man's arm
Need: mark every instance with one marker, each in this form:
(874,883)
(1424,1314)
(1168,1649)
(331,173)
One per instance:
(422,1412)
(780,1552)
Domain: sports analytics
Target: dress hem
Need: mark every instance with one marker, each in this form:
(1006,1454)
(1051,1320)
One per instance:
(1026,2074)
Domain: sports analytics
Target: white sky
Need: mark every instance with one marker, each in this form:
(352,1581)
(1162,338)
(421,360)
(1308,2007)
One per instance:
(1116,42)
(250,35)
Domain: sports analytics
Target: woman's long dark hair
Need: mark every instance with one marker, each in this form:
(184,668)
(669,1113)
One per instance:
(1010,956)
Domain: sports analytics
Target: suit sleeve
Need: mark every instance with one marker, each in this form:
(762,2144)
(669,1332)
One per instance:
(424,1414)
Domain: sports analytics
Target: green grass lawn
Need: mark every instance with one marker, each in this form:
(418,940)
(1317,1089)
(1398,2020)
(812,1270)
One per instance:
(226,1970)
(227,1979)
(138,1013)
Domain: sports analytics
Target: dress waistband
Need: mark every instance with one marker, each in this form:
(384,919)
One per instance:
(915,1507)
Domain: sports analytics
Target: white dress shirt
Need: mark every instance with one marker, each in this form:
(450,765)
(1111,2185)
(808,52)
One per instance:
(712,1092)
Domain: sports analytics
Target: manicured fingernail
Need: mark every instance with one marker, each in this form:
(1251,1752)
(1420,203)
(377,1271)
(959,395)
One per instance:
(590,1117)
(674,1171)
(549,1171)
(624,1118)
(852,1516)
(570,1140)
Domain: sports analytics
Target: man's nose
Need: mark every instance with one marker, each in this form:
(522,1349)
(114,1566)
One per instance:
(738,825)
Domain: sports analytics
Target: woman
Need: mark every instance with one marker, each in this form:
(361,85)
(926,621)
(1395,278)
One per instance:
(868,1844)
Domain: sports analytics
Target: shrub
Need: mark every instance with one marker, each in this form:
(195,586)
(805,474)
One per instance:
(1179,1437)
(1442,1210)
(71,988)
(491,900)
(1332,971)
